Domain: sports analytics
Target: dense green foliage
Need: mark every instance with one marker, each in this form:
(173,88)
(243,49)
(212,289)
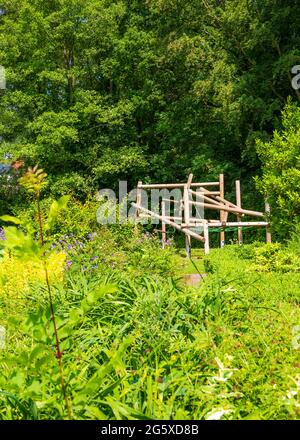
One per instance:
(100,90)
(137,344)
(281,172)
(99,321)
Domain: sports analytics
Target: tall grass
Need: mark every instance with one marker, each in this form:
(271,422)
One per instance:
(142,347)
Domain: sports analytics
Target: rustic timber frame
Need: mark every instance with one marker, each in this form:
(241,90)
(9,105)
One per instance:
(210,200)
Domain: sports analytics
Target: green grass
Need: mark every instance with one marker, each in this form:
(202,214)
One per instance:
(184,265)
(139,345)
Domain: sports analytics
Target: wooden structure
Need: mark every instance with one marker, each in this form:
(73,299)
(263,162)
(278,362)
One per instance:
(209,196)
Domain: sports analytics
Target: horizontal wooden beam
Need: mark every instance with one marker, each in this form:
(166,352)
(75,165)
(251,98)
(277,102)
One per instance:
(203,196)
(171,201)
(228,209)
(237,224)
(169,222)
(175,185)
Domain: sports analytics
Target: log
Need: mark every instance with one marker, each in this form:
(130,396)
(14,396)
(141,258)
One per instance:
(237,224)
(268,232)
(229,209)
(239,205)
(219,200)
(163,226)
(189,182)
(175,185)
(201,194)
(169,222)
(222,214)
(186,205)
(138,198)
(171,201)
(206,237)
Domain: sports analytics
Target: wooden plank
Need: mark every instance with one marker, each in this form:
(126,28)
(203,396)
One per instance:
(239,205)
(229,209)
(169,222)
(268,232)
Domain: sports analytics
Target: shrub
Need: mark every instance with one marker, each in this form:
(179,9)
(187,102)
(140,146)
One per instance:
(16,275)
(280,181)
(274,257)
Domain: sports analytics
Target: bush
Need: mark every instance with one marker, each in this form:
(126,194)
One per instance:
(280,181)
(275,258)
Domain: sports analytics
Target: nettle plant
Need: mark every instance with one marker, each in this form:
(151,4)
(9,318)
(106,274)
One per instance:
(20,241)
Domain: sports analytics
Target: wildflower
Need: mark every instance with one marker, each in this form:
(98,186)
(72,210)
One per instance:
(2,235)
(94,258)
(217,414)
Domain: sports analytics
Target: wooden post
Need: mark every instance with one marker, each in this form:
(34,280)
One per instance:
(163,225)
(138,198)
(188,246)
(268,212)
(169,222)
(186,206)
(239,205)
(227,208)
(206,237)
(189,182)
(222,213)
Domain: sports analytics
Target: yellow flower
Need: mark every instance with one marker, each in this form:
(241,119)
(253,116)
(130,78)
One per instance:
(16,275)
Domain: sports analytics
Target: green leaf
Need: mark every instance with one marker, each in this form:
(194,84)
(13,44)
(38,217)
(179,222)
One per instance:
(23,244)
(56,207)
(96,413)
(10,219)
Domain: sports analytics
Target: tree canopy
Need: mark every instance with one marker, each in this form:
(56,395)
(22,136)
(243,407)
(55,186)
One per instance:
(101,90)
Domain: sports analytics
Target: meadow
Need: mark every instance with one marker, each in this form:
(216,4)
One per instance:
(135,341)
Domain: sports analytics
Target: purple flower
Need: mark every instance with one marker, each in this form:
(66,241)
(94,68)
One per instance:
(2,235)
